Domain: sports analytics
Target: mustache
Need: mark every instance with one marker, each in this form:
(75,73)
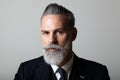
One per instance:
(58,47)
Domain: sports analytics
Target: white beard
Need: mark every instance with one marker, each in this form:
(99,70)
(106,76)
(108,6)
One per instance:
(58,56)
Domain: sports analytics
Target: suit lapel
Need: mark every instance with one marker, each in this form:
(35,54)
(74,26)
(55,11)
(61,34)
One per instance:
(52,74)
(45,71)
(77,71)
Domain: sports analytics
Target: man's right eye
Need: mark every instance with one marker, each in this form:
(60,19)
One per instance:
(45,33)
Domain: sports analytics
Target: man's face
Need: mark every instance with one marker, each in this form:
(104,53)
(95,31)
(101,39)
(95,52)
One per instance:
(55,38)
(54,30)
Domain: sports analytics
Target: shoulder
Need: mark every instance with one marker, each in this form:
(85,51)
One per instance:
(30,67)
(39,59)
(90,69)
(89,64)
(33,62)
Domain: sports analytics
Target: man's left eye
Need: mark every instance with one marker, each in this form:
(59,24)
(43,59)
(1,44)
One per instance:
(60,32)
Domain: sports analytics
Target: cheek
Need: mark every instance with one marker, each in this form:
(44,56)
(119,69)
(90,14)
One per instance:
(63,40)
(44,41)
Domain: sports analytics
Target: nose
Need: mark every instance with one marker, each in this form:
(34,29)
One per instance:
(52,39)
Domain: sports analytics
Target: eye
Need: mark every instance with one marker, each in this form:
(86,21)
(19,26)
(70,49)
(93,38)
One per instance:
(59,32)
(45,32)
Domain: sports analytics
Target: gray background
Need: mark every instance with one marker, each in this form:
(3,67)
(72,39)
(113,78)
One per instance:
(98,39)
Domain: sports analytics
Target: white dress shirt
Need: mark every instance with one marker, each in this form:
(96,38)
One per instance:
(66,67)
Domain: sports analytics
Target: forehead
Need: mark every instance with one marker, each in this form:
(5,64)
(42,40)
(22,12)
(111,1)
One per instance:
(54,20)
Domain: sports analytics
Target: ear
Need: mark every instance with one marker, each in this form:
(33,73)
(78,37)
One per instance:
(74,33)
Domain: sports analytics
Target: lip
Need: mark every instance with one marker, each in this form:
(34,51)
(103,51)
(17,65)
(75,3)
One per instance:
(52,49)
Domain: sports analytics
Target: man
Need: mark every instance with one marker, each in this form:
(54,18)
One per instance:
(59,62)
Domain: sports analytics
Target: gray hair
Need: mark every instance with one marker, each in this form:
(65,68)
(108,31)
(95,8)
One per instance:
(54,8)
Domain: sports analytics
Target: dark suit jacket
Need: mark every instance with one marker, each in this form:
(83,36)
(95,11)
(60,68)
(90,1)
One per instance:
(82,69)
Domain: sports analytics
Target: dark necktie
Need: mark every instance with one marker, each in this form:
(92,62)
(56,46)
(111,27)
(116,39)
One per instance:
(63,74)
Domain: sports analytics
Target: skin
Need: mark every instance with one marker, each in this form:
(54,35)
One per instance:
(54,30)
